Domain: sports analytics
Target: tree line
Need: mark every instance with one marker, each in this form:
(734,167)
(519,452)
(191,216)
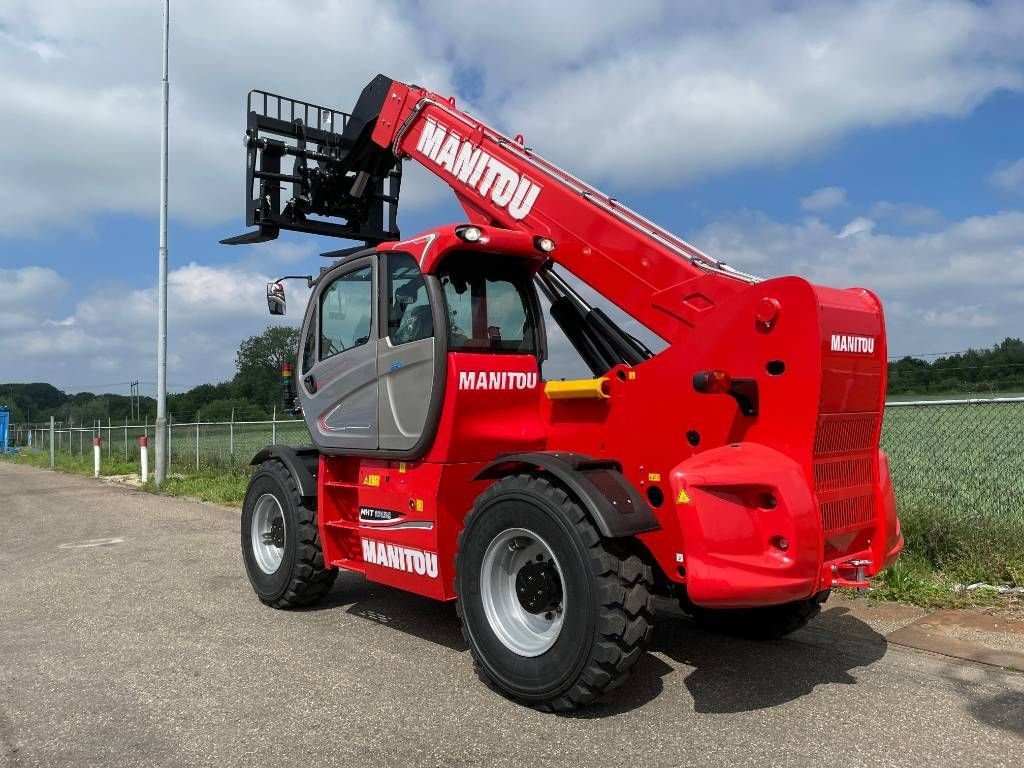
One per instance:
(251,394)
(975,372)
(255,389)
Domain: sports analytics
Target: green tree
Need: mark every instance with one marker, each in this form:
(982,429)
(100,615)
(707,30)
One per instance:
(259,364)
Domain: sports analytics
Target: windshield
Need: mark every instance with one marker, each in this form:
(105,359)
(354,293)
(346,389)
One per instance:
(487,305)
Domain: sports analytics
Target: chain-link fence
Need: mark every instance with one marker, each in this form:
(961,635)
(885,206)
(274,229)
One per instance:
(961,455)
(192,446)
(954,454)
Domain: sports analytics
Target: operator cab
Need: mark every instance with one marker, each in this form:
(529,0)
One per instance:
(376,336)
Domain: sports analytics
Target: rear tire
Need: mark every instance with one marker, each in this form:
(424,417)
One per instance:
(281,541)
(562,624)
(768,623)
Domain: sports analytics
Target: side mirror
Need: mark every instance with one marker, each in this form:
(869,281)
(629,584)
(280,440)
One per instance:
(275,299)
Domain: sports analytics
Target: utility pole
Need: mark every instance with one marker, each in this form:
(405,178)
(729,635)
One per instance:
(161,352)
(134,400)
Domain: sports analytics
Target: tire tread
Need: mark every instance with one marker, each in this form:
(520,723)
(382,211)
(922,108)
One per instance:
(623,583)
(310,580)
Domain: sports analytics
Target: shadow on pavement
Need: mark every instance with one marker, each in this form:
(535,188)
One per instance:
(418,616)
(1005,710)
(729,675)
(735,675)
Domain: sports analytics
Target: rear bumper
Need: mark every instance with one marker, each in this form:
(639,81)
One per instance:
(753,534)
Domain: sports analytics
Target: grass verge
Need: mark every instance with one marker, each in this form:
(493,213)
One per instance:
(218,486)
(227,488)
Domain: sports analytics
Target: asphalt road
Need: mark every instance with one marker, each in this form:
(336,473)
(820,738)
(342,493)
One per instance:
(152,650)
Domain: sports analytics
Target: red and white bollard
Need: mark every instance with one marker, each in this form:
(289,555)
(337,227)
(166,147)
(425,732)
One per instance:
(96,457)
(144,455)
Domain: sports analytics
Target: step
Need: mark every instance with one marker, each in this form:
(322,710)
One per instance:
(349,565)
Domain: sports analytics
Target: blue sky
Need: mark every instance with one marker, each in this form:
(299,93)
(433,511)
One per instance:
(877,144)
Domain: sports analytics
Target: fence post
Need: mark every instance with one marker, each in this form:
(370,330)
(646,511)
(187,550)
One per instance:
(231,437)
(51,443)
(126,438)
(170,421)
(273,428)
(110,437)
(197,442)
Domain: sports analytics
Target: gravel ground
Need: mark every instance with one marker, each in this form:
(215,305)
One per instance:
(149,648)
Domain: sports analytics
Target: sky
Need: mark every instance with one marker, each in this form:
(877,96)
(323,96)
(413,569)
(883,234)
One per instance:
(876,144)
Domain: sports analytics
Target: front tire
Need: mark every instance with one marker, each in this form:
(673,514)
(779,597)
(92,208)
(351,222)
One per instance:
(281,541)
(554,615)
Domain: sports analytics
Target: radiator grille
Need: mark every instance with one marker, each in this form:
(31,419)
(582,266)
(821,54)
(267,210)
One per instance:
(844,466)
(844,514)
(843,433)
(844,473)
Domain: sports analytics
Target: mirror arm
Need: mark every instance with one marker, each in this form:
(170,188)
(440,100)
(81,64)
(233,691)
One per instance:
(308,278)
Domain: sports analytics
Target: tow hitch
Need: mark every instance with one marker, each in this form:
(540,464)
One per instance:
(852,573)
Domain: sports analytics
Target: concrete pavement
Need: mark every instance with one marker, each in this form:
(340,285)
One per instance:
(130,636)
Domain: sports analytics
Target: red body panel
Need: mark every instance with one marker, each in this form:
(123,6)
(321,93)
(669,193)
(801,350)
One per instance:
(753,510)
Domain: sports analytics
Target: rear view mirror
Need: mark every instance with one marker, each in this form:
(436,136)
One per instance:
(275,298)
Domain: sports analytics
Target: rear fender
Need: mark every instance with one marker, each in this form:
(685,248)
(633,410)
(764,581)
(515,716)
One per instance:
(611,501)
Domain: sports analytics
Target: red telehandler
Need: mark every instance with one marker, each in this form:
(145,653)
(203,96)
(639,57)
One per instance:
(737,471)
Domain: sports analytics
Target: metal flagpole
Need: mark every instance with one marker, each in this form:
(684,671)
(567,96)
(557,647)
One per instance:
(161,365)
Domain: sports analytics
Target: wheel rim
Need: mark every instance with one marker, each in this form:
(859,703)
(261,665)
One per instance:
(268,533)
(521,586)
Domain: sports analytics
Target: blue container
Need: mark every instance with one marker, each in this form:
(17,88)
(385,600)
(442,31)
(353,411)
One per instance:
(5,419)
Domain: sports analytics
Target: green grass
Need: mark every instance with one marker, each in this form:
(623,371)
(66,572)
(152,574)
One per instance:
(217,486)
(221,488)
(958,472)
(78,465)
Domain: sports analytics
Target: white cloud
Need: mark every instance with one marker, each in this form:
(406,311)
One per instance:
(971,317)
(718,87)
(711,87)
(1009,177)
(858,226)
(907,215)
(957,287)
(80,134)
(824,199)
(27,293)
(111,336)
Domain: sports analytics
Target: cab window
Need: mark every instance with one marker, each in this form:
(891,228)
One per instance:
(346,307)
(309,345)
(409,316)
(487,305)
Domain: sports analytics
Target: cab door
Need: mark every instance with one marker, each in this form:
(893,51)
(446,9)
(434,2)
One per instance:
(338,380)
(406,354)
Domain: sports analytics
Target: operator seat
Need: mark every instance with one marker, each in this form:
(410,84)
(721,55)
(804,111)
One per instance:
(413,322)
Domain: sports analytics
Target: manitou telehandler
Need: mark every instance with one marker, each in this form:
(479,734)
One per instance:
(736,471)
